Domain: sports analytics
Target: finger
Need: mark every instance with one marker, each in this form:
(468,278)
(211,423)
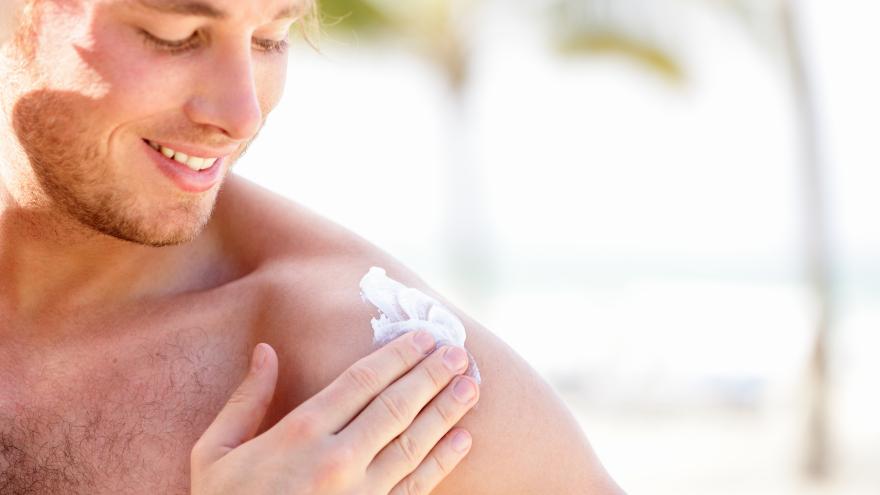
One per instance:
(437,466)
(407,451)
(342,400)
(394,409)
(240,418)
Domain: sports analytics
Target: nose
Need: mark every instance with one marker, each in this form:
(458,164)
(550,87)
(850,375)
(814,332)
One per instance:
(226,96)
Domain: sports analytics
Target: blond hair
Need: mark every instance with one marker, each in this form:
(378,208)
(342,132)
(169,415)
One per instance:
(310,24)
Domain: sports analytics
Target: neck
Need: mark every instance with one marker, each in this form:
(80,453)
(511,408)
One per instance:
(50,264)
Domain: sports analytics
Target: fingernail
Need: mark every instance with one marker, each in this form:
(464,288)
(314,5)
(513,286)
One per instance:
(424,341)
(461,441)
(464,390)
(455,358)
(259,357)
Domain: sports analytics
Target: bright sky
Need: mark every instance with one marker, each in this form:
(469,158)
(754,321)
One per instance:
(589,172)
(646,236)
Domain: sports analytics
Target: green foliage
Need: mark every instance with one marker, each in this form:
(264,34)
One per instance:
(353,15)
(644,53)
(428,24)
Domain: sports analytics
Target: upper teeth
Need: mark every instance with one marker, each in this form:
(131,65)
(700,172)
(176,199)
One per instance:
(193,162)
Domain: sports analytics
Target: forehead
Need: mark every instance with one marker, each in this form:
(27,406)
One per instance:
(220,9)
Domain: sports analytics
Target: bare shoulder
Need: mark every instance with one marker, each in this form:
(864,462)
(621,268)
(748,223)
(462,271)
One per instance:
(525,440)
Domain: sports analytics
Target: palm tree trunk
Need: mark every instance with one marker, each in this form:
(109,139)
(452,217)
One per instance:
(468,228)
(817,246)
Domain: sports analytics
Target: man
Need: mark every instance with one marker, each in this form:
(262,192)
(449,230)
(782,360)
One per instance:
(133,288)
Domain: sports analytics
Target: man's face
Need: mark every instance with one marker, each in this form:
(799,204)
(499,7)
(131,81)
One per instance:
(105,82)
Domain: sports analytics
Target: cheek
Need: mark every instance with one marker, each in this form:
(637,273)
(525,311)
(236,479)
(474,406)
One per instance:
(63,58)
(134,83)
(92,79)
(56,140)
(270,81)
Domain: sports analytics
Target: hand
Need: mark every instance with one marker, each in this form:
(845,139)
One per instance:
(365,434)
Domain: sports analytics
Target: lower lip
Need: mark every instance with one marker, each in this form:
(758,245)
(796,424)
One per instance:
(184,177)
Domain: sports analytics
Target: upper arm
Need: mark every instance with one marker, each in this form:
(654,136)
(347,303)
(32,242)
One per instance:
(525,441)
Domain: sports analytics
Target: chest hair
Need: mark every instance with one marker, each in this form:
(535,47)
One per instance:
(124,428)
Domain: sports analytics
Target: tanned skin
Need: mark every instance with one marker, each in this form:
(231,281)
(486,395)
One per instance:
(129,308)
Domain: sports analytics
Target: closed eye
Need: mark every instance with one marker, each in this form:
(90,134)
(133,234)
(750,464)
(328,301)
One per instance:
(195,40)
(272,46)
(172,46)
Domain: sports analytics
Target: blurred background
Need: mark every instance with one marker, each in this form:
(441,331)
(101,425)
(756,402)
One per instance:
(666,206)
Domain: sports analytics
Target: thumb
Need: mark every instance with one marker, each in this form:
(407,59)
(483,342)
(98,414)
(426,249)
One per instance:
(239,419)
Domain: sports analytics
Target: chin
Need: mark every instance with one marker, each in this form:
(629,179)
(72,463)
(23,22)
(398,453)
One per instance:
(163,237)
(169,228)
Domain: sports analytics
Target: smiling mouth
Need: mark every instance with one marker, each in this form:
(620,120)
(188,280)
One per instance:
(194,163)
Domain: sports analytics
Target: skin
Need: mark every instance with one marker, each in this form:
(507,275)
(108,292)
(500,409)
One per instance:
(129,308)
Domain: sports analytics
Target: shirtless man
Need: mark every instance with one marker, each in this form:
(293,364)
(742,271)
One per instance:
(161,334)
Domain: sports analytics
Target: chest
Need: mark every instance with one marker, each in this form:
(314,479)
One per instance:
(114,415)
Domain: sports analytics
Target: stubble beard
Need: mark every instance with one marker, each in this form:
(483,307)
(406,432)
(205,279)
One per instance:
(66,171)
(73,176)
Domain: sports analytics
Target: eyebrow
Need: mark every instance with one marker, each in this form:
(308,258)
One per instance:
(202,9)
(184,7)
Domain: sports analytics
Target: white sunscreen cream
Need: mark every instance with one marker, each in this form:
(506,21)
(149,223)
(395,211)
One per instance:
(402,309)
